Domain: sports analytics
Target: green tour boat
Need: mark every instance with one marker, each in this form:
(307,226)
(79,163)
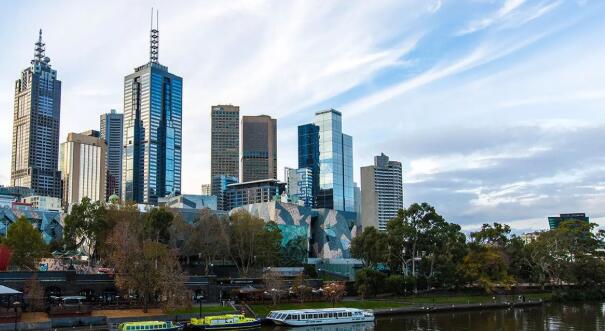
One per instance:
(148,326)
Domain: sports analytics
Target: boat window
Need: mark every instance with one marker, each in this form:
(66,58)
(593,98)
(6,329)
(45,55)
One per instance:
(349,314)
(288,317)
(325,315)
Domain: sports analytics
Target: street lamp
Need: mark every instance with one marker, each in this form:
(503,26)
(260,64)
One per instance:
(16,305)
(200,298)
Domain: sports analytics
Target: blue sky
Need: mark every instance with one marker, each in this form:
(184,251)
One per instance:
(495,107)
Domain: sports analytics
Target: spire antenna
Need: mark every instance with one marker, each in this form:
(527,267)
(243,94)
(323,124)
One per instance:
(39,49)
(154,39)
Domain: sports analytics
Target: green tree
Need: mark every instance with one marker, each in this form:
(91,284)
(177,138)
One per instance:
(157,225)
(369,282)
(87,227)
(25,243)
(370,246)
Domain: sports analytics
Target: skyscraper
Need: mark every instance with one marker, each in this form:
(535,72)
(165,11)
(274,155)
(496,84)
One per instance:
(224,144)
(258,148)
(112,126)
(151,164)
(37,110)
(381,192)
(323,148)
(83,158)
(299,186)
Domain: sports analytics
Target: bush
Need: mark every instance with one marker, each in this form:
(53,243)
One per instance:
(399,284)
(369,282)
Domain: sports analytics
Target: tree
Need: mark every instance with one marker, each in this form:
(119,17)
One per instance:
(250,241)
(143,265)
(494,235)
(300,288)
(157,225)
(369,282)
(334,291)
(274,285)
(34,294)
(26,244)
(370,246)
(487,266)
(87,227)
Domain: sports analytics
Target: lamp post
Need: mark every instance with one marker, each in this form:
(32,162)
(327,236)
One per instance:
(200,298)
(16,305)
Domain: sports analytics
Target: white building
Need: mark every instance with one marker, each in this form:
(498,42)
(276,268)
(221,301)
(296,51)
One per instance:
(381,192)
(43,202)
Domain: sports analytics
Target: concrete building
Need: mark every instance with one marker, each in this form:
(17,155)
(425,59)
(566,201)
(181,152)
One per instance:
(112,127)
(323,148)
(224,144)
(43,203)
(151,165)
(206,189)
(37,112)
(555,221)
(189,201)
(83,158)
(381,192)
(10,194)
(258,148)
(240,194)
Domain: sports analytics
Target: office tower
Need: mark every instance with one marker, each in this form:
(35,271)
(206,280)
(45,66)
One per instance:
(206,189)
(83,158)
(328,153)
(37,110)
(151,164)
(299,186)
(112,126)
(259,148)
(555,221)
(265,190)
(224,143)
(220,184)
(381,192)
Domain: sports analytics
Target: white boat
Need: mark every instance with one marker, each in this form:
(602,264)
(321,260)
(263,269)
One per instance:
(302,317)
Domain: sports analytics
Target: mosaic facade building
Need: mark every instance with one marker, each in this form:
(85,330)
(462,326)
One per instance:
(48,222)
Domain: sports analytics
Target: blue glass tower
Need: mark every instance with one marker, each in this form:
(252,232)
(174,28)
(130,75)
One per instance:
(323,148)
(151,166)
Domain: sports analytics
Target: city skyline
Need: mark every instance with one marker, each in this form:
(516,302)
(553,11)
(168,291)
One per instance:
(522,82)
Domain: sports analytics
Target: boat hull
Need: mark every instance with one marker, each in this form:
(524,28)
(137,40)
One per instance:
(238,326)
(313,322)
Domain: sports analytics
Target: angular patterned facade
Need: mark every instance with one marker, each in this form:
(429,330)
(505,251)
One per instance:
(37,112)
(322,233)
(48,222)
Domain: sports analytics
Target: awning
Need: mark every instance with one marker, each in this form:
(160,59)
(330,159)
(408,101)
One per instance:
(7,290)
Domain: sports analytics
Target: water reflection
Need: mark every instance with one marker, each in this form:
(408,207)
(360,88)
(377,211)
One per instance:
(553,316)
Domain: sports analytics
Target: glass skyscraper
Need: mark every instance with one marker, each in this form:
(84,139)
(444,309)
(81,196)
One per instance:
(112,128)
(151,166)
(323,148)
(37,112)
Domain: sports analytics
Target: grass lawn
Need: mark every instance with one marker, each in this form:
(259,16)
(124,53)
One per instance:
(205,309)
(263,310)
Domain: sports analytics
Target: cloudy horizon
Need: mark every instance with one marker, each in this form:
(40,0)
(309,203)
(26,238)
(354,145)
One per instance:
(494,107)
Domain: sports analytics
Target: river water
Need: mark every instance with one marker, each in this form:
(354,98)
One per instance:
(550,316)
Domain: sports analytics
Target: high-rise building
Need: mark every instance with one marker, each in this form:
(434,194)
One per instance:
(206,189)
(37,110)
(151,164)
(112,127)
(328,153)
(381,192)
(555,221)
(258,148)
(240,194)
(224,143)
(83,158)
(220,184)
(299,186)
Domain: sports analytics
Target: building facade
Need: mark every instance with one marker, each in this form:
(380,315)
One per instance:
(258,148)
(43,203)
(151,164)
(190,201)
(83,158)
(381,192)
(323,148)
(112,127)
(36,119)
(299,186)
(555,221)
(206,189)
(220,184)
(224,144)
(240,194)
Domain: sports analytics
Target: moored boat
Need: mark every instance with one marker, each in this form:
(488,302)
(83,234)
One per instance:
(148,326)
(301,317)
(224,322)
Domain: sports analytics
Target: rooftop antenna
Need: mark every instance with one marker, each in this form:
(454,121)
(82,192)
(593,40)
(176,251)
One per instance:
(39,49)
(154,41)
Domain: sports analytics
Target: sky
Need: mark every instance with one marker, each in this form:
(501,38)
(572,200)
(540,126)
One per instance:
(496,108)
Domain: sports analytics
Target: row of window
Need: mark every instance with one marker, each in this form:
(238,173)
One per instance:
(313,316)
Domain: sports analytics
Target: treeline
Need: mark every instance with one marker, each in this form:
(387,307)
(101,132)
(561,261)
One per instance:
(420,250)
